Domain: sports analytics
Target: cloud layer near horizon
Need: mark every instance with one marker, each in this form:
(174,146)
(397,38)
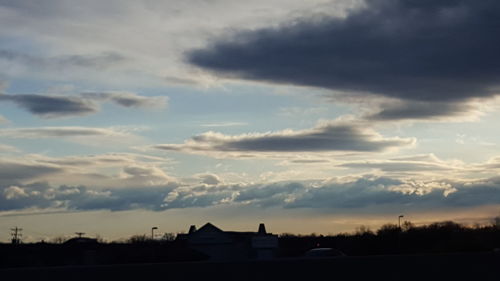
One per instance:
(124,181)
(357,195)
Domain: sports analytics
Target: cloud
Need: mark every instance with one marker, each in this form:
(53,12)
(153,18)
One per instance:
(100,160)
(434,56)
(428,110)
(54,106)
(330,136)
(210,179)
(58,132)
(43,196)
(3,85)
(55,29)
(94,61)
(14,172)
(428,163)
(306,161)
(13,192)
(121,170)
(8,148)
(363,194)
(128,99)
(379,194)
(131,181)
(146,175)
(3,120)
(224,124)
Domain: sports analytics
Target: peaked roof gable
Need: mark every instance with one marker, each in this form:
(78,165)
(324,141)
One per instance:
(208,227)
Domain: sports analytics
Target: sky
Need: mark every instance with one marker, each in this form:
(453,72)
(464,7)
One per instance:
(311,116)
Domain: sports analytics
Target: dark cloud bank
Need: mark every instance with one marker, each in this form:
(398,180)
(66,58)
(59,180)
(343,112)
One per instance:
(426,51)
(378,194)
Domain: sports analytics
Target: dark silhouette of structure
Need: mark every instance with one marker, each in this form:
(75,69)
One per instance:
(153,231)
(231,245)
(81,240)
(427,246)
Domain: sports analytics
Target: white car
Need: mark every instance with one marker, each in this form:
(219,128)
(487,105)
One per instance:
(323,253)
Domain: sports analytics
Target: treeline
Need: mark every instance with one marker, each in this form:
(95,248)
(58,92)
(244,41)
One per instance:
(95,253)
(390,239)
(439,237)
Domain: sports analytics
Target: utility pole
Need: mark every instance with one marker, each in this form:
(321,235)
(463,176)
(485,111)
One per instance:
(80,234)
(16,235)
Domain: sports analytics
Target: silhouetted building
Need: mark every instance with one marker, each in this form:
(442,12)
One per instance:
(81,241)
(231,245)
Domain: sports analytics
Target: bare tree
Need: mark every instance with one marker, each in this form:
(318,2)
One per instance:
(363,230)
(139,238)
(407,225)
(58,239)
(495,222)
(168,236)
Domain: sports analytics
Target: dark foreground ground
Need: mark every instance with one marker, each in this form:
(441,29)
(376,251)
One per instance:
(467,266)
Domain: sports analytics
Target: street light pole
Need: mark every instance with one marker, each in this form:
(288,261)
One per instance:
(153,232)
(399,233)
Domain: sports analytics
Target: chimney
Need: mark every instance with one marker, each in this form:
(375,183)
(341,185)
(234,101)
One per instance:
(192,229)
(262,229)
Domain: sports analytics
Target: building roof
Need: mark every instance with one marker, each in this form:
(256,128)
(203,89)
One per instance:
(81,240)
(208,227)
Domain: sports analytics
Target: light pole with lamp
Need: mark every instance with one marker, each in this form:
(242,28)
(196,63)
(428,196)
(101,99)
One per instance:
(153,232)
(399,233)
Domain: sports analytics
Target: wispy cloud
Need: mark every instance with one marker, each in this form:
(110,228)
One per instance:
(3,120)
(113,170)
(224,124)
(54,106)
(428,163)
(8,148)
(128,99)
(60,132)
(94,61)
